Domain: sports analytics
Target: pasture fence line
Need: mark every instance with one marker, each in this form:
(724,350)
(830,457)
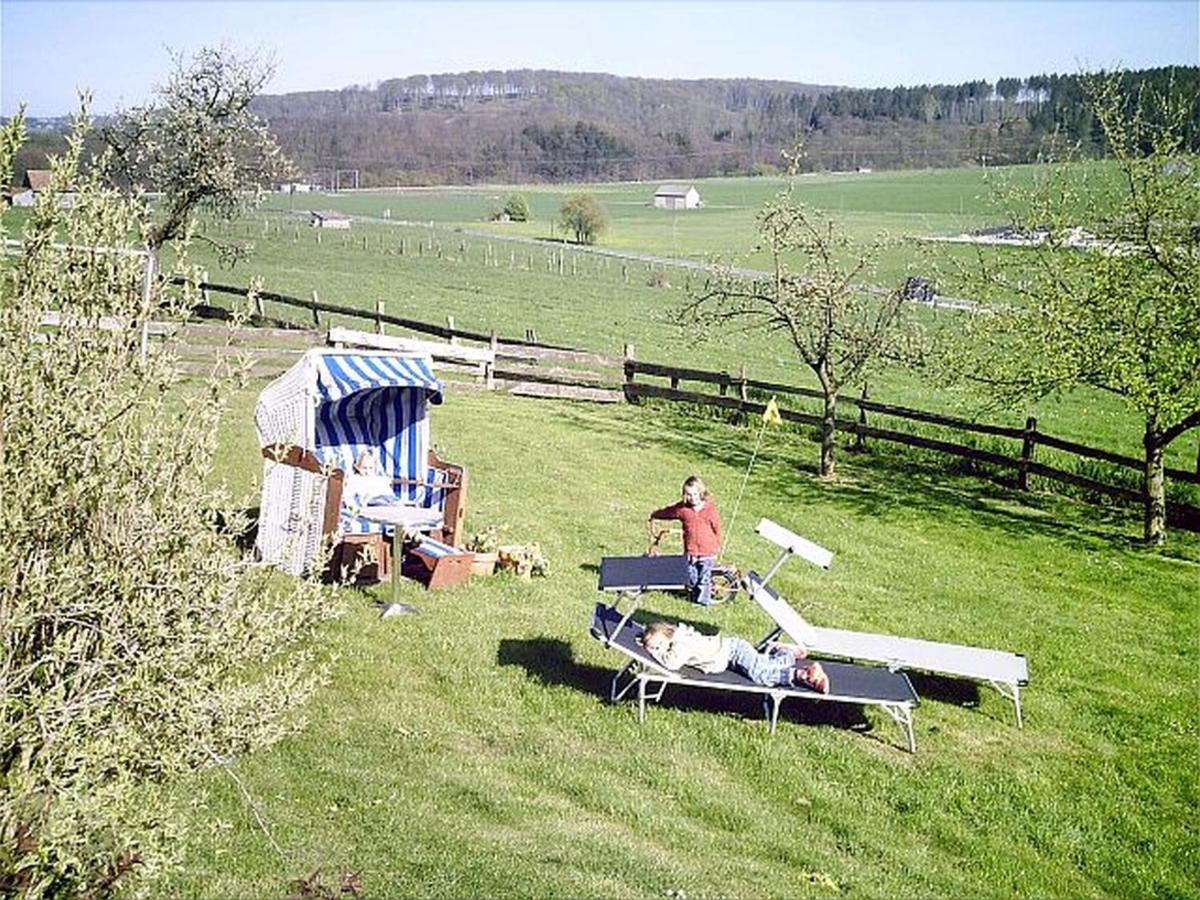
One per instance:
(733,394)
(520,366)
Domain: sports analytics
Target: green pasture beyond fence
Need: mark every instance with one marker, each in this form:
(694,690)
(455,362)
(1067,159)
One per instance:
(975,441)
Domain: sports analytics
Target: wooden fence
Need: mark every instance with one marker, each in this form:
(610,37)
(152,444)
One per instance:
(520,367)
(733,393)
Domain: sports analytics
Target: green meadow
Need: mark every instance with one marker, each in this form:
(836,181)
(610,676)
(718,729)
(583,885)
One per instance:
(468,750)
(451,267)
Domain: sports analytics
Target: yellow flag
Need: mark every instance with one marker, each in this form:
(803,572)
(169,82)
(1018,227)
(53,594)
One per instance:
(771,413)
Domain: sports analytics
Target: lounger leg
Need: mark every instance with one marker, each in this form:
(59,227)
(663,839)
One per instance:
(641,699)
(902,715)
(776,700)
(614,694)
(1010,692)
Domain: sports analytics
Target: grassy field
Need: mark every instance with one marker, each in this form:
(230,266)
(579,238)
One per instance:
(509,287)
(914,202)
(467,751)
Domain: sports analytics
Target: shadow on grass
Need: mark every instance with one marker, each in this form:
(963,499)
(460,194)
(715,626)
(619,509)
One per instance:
(954,691)
(551,662)
(875,483)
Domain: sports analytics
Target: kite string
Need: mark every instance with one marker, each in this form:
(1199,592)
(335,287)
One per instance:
(742,490)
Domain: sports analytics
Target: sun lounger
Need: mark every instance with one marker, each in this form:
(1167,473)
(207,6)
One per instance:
(863,685)
(1006,672)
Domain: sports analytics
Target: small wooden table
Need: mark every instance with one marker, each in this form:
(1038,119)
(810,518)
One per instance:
(401,520)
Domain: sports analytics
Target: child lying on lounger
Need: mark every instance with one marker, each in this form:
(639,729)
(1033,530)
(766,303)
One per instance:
(681,645)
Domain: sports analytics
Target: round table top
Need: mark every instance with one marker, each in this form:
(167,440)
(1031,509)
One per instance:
(403,516)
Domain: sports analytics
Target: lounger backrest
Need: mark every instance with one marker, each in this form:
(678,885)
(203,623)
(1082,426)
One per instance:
(780,612)
(793,543)
(606,627)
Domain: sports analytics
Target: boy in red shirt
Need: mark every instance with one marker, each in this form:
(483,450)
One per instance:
(701,535)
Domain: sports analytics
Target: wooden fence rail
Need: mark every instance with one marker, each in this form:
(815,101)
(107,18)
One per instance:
(1028,435)
(733,393)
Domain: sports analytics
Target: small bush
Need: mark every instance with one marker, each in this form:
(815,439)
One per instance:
(516,207)
(137,643)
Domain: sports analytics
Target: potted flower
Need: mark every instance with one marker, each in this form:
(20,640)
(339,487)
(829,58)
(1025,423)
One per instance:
(526,560)
(486,545)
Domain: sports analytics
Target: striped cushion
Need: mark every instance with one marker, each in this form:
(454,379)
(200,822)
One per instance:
(436,549)
(390,420)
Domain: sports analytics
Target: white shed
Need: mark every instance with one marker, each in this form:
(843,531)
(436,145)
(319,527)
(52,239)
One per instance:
(677,196)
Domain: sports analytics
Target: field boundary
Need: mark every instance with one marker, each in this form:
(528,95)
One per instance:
(586,371)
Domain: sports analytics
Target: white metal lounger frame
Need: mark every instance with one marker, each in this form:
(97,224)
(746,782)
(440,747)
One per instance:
(651,680)
(1006,672)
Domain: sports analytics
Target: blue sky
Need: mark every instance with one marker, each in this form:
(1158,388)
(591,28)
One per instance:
(120,49)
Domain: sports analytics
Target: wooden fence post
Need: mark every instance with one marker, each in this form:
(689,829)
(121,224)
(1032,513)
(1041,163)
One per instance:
(379,308)
(742,394)
(489,376)
(259,307)
(860,440)
(204,287)
(1028,443)
(450,327)
(315,314)
(630,372)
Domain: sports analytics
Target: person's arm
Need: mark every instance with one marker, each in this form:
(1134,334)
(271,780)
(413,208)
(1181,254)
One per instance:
(716,523)
(669,657)
(667,512)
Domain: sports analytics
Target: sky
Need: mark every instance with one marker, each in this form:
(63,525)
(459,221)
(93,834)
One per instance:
(119,49)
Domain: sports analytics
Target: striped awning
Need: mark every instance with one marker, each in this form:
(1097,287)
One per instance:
(342,374)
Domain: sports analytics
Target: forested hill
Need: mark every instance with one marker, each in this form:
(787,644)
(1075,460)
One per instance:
(530,125)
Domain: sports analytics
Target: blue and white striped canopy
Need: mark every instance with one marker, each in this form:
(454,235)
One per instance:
(342,374)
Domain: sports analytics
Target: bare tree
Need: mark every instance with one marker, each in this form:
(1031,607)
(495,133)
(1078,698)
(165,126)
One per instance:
(815,296)
(199,144)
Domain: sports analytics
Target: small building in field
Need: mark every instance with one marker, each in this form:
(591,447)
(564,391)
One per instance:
(37,181)
(295,187)
(329,219)
(677,196)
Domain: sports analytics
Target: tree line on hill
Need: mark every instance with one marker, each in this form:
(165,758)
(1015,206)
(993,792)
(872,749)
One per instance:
(525,125)
(544,126)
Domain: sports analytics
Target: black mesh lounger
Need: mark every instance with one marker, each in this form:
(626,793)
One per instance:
(864,685)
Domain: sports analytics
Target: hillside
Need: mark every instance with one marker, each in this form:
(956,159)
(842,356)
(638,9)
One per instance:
(528,126)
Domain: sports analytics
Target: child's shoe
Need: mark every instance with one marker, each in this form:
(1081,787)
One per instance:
(812,675)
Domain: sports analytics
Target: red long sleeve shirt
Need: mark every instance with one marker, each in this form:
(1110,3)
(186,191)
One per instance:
(701,527)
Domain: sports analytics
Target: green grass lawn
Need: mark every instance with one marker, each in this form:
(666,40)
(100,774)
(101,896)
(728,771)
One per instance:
(467,751)
(488,285)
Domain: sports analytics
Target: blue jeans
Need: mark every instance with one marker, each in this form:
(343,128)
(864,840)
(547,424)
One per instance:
(772,668)
(700,579)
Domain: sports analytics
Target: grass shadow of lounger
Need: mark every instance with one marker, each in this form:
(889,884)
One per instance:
(552,662)
(844,716)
